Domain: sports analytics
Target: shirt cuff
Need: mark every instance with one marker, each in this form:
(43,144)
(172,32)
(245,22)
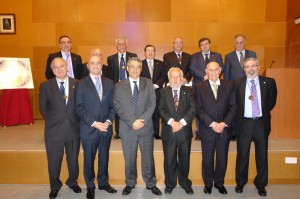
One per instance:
(183,122)
(108,121)
(156,86)
(93,124)
(170,120)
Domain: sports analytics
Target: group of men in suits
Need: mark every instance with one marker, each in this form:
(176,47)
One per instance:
(139,98)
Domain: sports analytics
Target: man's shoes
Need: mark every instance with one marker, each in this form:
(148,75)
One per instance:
(207,190)
(197,137)
(154,190)
(189,191)
(76,188)
(108,188)
(221,189)
(90,193)
(238,189)
(127,190)
(53,194)
(168,190)
(157,137)
(262,191)
(117,137)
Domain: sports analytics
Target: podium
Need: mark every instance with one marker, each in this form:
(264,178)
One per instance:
(15,107)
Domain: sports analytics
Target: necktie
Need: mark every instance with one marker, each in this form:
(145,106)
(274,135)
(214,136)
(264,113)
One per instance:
(206,59)
(135,96)
(176,100)
(151,68)
(215,90)
(179,57)
(255,104)
(70,67)
(98,87)
(122,68)
(242,58)
(62,90)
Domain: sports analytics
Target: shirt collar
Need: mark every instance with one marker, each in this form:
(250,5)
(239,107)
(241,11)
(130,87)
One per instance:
(217,82)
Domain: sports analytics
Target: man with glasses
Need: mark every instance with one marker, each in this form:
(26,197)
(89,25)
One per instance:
(255,97)
(134,101)
(74,62)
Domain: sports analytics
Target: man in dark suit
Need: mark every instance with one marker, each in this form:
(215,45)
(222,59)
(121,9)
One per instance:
(198,66)
(57,106)
(177,109)
(96,52)
(134,101)
(255,97)
(74,62)
(117,68)
(178,58)
(94,106)
(233,66)
(216,108)
(154,69)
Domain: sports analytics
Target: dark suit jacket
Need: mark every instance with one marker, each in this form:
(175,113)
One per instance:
(186,110)
(209,109)
(198,65)
(123,103)
(78,68)
(61,120)
(113,65)
(268,92)
(232,67)
(171,60)
(91,109)
(159,74)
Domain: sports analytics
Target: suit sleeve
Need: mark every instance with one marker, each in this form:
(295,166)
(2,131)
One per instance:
(48,73)
(112,112)
(42,100)
(232,106)
(163,76)
(150,106)
(80,105)
(273,94)
(200,111)
(195,68)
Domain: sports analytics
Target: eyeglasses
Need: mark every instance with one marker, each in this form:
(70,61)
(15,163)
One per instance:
(65,42)
(252,66)
(135,67)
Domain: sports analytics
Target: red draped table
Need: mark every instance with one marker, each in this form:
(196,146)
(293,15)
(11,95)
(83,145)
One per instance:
(15,107)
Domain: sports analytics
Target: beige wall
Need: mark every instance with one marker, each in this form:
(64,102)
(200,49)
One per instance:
(89,23)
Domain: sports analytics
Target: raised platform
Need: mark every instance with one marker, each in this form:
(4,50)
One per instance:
(23,159)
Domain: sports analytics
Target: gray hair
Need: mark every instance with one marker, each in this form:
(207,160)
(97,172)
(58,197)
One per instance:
(134,59)
(239,35)
(174,68)
(252,59)
(121,38)
(56,59)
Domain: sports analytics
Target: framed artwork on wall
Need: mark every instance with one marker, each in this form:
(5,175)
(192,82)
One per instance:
(7,24)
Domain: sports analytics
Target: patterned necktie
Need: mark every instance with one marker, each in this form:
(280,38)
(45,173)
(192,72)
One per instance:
(255,104)
(215,90)
(176,100)
(122,68)
(242,58)
(62,90)
(179,57)
(151,68)
(70,67)
(98,87)
(135,96)
(206,59)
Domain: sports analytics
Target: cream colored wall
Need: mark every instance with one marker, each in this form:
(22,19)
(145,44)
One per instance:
(90,23)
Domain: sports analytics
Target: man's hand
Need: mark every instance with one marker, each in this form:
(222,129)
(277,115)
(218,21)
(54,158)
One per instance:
(176,126)
(218,127)
(138,124)
(101,126)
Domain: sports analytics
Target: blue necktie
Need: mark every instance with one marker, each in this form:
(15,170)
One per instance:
(122,68)
(135,96)
(98,87)
(62,90)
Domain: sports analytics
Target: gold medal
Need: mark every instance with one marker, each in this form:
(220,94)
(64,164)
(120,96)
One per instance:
(123,67)
(251,97)
(65,97)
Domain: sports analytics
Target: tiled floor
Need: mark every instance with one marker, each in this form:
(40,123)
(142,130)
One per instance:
(42,191)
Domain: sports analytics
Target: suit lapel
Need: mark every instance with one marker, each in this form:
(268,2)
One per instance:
(56,90)
(91,86)
(209,91)
(71,89)
(170,99)
(262,85)
(242,91)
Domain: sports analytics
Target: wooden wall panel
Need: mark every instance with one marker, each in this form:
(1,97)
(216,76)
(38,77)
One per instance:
(242,10)
(266,34)
(293,9)
(276,10)
(194,10)
(59,11)
(275,54)
(21,9)
(95,11)
(148,10)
